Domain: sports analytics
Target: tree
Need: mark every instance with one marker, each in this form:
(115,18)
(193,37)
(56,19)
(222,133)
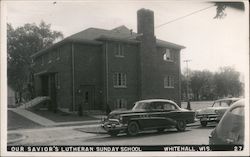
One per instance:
(22,42)
(227,82)
(201,84)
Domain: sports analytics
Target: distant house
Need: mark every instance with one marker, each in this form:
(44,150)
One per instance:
(96,67)
(11,97)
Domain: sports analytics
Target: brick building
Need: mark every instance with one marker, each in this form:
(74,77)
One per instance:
(117,67)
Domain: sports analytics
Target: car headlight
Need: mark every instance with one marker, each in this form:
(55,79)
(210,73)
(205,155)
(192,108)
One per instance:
(216,111)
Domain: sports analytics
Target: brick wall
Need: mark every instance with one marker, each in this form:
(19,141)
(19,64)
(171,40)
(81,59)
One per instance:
(62,66)
(128,65)
(88,72)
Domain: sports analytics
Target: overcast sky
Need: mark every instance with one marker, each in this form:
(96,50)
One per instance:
(210,43)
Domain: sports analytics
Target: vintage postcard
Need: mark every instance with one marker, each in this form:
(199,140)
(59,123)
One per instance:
(124,78)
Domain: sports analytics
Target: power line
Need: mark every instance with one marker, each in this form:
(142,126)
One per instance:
(183,16)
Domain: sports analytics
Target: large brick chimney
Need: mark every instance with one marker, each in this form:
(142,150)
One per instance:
(148,66)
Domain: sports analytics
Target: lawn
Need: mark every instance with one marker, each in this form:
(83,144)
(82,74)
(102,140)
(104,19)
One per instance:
(60,116)
(195,105)
(15,121)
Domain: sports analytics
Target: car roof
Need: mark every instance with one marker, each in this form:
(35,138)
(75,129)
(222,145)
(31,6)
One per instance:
(225,99)
(156,100)
(241,102)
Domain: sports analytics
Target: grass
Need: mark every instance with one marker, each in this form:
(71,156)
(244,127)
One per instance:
(195,105)
(16,121)
(60,116)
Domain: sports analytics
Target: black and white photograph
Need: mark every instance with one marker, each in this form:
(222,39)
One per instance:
(124,78)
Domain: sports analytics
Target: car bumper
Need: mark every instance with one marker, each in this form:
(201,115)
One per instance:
(113,124)
(208,118)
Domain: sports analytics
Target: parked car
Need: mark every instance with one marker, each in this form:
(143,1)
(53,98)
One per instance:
(230,129)
(152,114)
(215,112)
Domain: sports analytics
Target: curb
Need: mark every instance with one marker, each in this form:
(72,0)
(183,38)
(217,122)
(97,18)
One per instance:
(16,139)
(77,124)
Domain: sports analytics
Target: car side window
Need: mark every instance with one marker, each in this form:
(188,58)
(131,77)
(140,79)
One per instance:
(168,106)
(221,104)
(238,111)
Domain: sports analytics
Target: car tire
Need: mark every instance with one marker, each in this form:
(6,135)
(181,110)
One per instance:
(133,128)
(203,123)
(113,133)
(181,125)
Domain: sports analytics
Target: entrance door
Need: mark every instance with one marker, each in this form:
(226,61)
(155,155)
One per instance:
(48,88)
(88,98)
(45,85)
(53,92)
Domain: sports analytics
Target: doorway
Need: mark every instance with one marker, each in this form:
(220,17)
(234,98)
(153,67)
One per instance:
(88,97)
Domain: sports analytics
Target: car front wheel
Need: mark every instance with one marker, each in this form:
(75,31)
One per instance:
(133,128)
(181,125)
(203,123)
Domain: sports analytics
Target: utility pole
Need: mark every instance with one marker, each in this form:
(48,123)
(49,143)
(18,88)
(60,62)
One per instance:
(187,93)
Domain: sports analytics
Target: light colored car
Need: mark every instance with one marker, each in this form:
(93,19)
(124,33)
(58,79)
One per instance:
(231,128)
(215,112)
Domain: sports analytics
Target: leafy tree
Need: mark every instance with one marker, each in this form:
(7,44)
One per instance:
(201,84)
(22,42)
(227,82)
(206,85)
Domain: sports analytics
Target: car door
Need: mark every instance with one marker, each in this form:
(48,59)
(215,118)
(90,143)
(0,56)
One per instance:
(171,113)
(157,117)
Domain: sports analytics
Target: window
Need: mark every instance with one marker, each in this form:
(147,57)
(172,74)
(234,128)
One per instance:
(168,55)
(49,57)
(169,81)
(57,80)
(221,104)
(42,60)
(119,80)
(238,111)
(121,103)
(58,54)
(119,50)
(168,106)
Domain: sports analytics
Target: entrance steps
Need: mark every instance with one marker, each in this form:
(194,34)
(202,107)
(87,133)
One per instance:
(34,102)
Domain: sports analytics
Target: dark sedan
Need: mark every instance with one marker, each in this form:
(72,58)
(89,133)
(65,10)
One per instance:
(152,114)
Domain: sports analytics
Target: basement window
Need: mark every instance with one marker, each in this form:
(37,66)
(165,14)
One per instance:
(120,103)
(169,81)
(119,80)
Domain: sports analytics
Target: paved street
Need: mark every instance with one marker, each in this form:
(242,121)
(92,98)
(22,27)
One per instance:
(77,135)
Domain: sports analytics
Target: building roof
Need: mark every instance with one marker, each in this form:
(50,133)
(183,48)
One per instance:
(94,35)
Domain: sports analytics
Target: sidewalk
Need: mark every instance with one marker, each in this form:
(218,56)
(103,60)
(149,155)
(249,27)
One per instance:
(49,123)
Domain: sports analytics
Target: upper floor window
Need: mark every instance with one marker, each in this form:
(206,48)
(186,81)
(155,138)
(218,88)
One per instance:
(169,81)
(119,50)
(42,60)
(58,54)
(168,55)
(50,57)
(119,80)
(57,80)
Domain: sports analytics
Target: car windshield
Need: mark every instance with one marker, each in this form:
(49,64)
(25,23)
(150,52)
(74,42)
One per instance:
(223,103)
(141,106)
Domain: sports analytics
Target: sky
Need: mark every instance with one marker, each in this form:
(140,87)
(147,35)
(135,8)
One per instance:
(210,43)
